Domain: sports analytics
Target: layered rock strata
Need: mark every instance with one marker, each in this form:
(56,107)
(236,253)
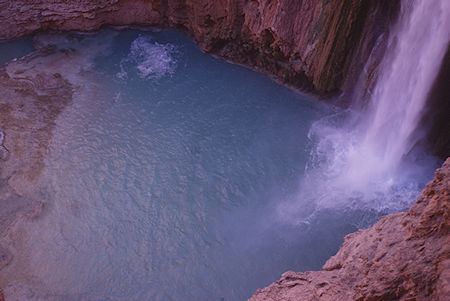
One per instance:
(404,256)
(322,46)
(315,45)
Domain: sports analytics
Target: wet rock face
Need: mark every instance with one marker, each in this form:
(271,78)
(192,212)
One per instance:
(316,45)
(405,256)
(436,120)
(319,46)
(324,42)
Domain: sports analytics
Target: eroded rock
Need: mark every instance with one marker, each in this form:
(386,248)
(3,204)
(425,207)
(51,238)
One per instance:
(404,256)
(315,45)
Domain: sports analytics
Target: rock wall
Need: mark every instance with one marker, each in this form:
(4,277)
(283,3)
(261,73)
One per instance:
(405,256)
(319,46)
(436,121)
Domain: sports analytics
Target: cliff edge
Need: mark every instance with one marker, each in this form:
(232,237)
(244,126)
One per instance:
(404,256)
(320,46)
(326,47)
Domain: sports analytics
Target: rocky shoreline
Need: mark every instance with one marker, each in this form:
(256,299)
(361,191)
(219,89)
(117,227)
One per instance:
(29,105)
(322,47)
(30,102)
(404,256)
(35,91)
(319,46)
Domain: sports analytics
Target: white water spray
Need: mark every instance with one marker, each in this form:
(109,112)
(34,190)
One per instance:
(149,59)
(361,165)
(416,48)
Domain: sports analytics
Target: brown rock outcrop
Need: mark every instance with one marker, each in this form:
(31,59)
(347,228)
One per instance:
(435,120)
(320,46)
(314,45)
(317,46)
(30,101)
(404,256)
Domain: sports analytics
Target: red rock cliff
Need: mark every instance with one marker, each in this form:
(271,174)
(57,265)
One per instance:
(315,45)
(319,46)
(405,256)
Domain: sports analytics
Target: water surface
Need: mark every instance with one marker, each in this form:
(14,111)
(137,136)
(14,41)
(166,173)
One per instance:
(15,49)
(177,176)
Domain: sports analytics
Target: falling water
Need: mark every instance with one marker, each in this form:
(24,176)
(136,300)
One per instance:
(160,176)
(165,173)
(419,41)
(362,159)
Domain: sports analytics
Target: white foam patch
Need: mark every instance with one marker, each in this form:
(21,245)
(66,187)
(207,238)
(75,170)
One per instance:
(341,175)
(149,59)
(373,162)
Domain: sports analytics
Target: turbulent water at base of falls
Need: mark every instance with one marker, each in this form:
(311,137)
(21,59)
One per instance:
(417,47)
(176,176)
(163,175)
(365,159)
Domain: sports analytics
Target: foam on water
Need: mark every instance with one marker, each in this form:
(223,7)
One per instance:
(151,59)
(162,187)
(364,160)
(176,176)
(332,181)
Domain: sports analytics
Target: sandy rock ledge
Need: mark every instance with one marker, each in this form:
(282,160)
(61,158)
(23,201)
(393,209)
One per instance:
(404,256)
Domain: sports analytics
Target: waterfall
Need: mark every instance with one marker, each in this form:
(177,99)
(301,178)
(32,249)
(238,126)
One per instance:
(416,48)
(387,129)
(359,159)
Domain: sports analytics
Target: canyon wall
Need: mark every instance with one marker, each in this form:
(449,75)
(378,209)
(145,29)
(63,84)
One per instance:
(404,256)
(327,47)
(436,121)
(319,46)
